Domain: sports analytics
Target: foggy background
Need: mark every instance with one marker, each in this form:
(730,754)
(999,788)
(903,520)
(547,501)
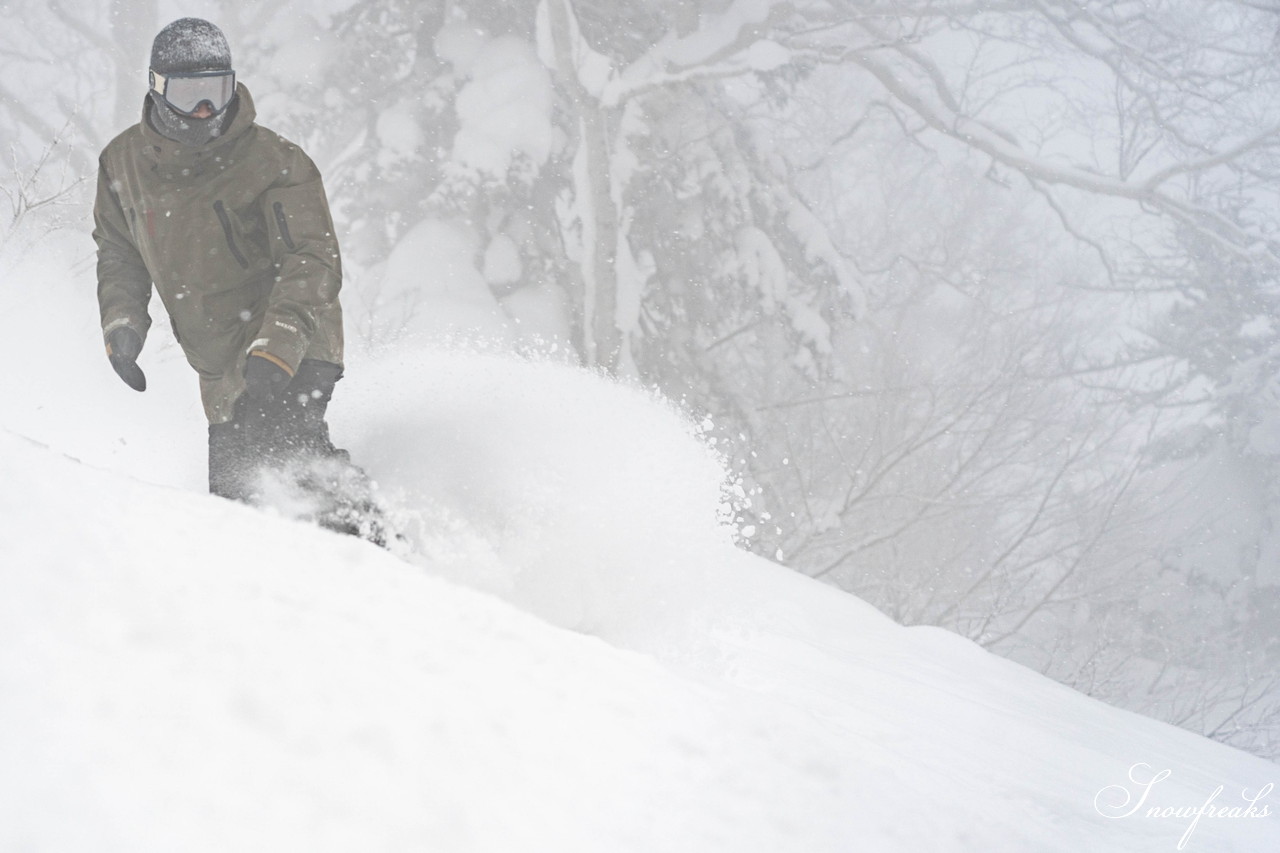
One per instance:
(978,299)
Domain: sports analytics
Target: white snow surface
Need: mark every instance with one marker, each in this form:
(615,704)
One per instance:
(573,657)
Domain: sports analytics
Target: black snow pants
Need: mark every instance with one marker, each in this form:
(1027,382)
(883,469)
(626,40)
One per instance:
(270,435)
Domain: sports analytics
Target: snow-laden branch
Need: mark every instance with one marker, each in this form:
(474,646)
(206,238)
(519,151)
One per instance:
(1269,137)
(734,42)
(750,36)
(998,145)
(758,56)
(719,36)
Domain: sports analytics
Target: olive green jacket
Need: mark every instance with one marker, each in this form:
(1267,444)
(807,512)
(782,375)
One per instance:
(236,237)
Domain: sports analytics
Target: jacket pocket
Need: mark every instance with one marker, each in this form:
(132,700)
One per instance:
(220,209)
(282,222)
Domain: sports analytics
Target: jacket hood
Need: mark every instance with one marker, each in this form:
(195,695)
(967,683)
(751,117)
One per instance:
(177,160)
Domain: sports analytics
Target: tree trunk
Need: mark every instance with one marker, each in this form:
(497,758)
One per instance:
(593,193)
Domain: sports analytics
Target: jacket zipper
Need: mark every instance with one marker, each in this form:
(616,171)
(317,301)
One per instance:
(283,222)
(221,210)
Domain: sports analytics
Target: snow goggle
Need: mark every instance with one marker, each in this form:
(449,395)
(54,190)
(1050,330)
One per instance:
(184,93)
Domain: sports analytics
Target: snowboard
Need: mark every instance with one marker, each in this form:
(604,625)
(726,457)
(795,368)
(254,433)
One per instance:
(332,493)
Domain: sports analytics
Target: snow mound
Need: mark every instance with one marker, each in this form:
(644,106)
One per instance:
(181,672)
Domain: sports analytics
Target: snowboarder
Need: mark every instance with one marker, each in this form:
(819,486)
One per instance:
(230,223)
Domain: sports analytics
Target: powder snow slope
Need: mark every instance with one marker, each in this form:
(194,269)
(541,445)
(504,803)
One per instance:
(575,658)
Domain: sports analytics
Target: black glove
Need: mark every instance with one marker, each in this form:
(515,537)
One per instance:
(123,346)
(263,378)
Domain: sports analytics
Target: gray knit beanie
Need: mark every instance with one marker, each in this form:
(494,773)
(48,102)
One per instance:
(188,45)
